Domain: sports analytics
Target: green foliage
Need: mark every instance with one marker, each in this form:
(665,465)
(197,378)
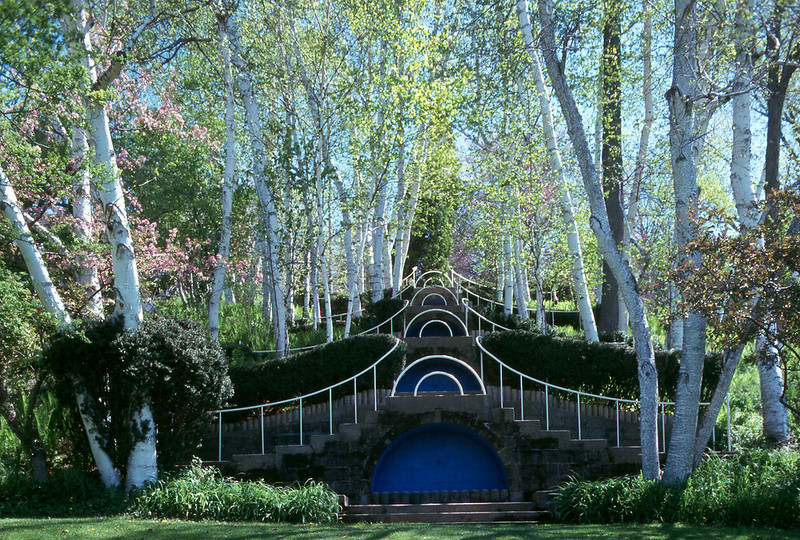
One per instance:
(173,363)
(616,500)
(201,493)
(601,368)
(68,492)
(185,372)
(753,488)
(302,373)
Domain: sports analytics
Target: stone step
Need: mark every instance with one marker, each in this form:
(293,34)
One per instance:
(447,513)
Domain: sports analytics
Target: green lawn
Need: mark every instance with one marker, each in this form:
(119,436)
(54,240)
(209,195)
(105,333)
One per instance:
(121,528)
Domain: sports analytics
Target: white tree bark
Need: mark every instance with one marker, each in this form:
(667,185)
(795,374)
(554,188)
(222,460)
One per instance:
(648,377)
(265,194)
(118,235)
(508,276)
(681,97)
(51,300)
(565,199)
(86,273)
(223,252)
(522,307)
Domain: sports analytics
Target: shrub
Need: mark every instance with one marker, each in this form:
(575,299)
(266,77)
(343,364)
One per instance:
(753,488)
(174,363)
(301,373)
(202,493)
(600,368)
(616,500)
(67,493)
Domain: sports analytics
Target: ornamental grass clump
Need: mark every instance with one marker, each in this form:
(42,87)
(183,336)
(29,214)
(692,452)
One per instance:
(754,488)
(201,493)
(757,487)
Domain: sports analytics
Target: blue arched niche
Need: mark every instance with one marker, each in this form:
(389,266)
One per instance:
(439,457)
(408,379)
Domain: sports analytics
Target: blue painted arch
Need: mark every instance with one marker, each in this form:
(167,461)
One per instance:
(410,377)
(439,457)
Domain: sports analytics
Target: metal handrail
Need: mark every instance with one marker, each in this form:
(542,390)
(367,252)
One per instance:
(299,401)
(495,326)
(578,393)
(390,320)
(340,316)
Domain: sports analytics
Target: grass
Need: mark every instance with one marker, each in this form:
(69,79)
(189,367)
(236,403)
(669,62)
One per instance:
(123,527)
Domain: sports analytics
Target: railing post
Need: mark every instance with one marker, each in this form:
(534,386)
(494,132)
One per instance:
(375,386)
(355,400)
(262,430)
(579,416)
(547,407)
(482,377)
(521,399)
(219,446)
(501,386)
(617,402)
(301,421)
(663,428)
(330,409)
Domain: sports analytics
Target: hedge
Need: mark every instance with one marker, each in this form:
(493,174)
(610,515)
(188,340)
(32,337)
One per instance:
(302,373)
(608,369)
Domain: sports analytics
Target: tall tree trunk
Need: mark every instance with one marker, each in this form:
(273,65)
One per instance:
(645,356)
(223,252)
(265,194)
(508,276)
(775,413)
(565,199)
(681,97)
(611,69)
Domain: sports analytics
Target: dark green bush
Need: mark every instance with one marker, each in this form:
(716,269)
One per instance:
(201,493)
(67,493)
(616,500)
(601,368)
(301,373)
(174,363)
(755,488)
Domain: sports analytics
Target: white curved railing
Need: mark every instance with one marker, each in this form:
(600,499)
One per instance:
(426,277)
(478,299)
(299,401)
(547,387)
(469,309)
(341,316)
(390,320)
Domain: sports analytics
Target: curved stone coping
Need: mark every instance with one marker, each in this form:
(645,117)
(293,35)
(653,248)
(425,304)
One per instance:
(409,379)
(411,328)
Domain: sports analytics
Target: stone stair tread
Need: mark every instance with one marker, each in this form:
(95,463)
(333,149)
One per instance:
(520,516)
(406,508)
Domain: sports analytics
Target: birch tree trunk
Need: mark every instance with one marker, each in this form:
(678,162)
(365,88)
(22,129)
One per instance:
(681,97)
(86,273)
(508,276)
(51,300)
(522,307)
(265,194)
(644,139)
(218,280)
(142,462)
(565,199)
(645,356)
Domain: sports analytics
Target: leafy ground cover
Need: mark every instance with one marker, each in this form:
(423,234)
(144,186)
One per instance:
(123,528)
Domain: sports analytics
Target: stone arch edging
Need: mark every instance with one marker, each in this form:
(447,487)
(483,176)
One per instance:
(503,445)
(460,364)
(453,318)
(438,289)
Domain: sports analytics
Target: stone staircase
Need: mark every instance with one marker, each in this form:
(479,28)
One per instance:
(534,459)
(450,512)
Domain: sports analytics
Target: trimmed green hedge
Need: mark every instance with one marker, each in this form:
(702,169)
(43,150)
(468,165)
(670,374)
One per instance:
(600,368)
(301,373)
